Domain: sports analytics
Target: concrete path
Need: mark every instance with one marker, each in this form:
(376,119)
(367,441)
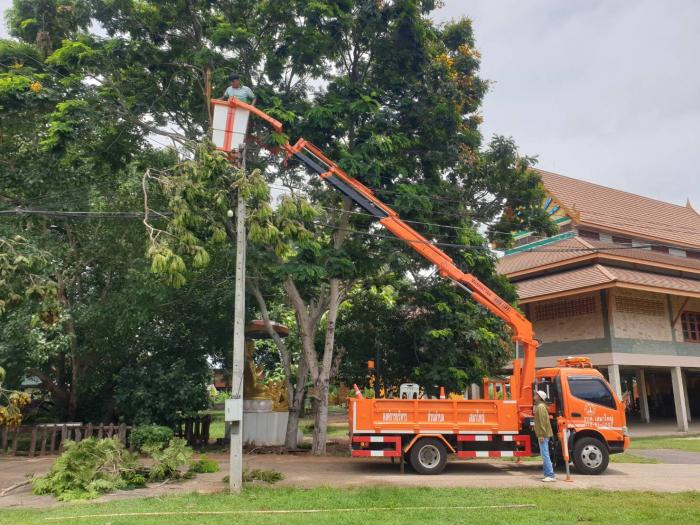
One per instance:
(306,471)
(357,472)
(670,456)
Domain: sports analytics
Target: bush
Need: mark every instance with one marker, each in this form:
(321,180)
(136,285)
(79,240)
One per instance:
(219,397)
(204,465)
(89,468)
(148,435)
(167,460)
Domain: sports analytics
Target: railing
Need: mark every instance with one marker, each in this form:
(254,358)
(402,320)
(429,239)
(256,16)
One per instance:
(194,429)
(49,438)
(496,389)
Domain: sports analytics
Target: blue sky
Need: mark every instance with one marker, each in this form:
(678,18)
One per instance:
(602,90)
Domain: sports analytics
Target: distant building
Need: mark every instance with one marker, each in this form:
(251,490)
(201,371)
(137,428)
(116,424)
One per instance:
(620,284)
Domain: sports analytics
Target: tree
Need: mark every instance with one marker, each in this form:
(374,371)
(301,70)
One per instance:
(74,289)
(396,103)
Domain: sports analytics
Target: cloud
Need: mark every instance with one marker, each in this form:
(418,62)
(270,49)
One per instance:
(604,91)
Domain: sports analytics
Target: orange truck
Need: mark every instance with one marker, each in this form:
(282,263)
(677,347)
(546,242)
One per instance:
(587,417)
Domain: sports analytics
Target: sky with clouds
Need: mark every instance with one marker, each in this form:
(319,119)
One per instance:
(602,90)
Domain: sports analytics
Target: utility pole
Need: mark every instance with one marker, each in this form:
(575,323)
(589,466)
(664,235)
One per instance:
(235,414)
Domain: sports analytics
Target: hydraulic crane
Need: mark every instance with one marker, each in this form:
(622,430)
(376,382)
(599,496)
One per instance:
(427,429)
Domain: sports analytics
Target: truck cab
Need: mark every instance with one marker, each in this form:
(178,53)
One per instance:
(582,401)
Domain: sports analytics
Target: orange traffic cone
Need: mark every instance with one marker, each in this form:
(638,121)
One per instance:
(358,394)
(442,392)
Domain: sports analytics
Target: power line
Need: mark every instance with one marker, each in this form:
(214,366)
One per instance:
(82,214)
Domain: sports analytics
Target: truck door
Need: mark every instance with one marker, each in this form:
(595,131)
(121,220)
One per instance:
(590,403)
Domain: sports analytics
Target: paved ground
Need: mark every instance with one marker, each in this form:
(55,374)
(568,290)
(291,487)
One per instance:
(343,471)
(306,471)
(670,456)
(14,470)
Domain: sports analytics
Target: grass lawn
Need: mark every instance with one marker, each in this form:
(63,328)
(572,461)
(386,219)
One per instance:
(386,505)
(217,427)
(627,457)
(688,443)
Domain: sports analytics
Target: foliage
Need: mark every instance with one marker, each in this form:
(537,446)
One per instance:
(204,465)
(11,404)
(149,435)
(93,466)
(268,476)
(219,397)
(88,468)
(167,460)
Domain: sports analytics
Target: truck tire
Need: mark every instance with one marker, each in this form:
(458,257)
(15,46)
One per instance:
(428,456)
(591,456)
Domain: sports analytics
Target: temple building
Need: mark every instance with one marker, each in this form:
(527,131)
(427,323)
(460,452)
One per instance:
(620,284)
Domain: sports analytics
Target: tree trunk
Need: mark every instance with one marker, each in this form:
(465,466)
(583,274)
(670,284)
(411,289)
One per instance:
(318,447)
(295,392)
(308,320)
(296,405)
(69,329)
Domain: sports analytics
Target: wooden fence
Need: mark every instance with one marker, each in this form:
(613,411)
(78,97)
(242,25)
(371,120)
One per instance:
(194,429)
(49,438)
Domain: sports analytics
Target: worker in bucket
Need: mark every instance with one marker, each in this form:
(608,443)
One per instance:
(543,431)
(238,91)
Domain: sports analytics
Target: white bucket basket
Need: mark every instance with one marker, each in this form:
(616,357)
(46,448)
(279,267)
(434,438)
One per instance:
(229,124)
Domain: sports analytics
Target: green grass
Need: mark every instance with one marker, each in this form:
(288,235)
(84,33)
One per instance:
(688,443)
(217,428)
(334,430)
(386,505)
(626,457)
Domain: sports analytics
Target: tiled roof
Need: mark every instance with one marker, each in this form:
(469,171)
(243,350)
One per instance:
(574,248)
(619,211)
(668,282)
(601,276)
(562,282)
(543,255)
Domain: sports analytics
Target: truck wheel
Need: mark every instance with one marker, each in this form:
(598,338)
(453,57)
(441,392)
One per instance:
(428,456)
(590,456)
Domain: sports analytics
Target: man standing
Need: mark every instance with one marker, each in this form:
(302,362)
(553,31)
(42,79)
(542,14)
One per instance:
(239,92)
(543,431)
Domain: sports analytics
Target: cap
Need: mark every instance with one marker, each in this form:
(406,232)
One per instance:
(233,76)
(542,394)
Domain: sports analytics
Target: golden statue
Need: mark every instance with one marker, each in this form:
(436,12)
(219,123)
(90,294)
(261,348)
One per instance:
(253,386)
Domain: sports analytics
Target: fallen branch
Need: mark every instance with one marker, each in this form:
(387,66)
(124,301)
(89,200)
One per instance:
(13,487)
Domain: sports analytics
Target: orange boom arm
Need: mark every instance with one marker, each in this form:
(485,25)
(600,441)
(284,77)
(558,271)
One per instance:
(313,158)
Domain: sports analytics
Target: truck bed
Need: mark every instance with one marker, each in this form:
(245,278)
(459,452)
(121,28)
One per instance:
(432,416)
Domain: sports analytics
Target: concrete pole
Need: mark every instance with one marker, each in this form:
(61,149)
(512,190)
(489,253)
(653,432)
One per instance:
(685,394)
(643,399)
(614,379)
(679,398)
(236,451)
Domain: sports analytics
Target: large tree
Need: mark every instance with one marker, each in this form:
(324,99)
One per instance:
(381,88)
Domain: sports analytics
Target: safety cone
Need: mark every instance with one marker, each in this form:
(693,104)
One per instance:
(442,392)
(358,394)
